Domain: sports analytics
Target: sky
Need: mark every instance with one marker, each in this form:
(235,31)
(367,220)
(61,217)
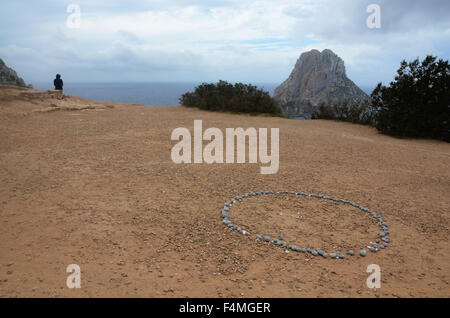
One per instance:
(205,41)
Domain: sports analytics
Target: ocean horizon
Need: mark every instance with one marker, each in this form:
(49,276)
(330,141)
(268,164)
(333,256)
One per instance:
(147,94)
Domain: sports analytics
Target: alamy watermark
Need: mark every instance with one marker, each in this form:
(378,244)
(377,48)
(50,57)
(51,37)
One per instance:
(213,152)
(74,19)
(374,19)
(74,279)
(374,279)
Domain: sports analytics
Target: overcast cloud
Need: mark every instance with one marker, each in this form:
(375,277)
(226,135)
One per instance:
(249,41)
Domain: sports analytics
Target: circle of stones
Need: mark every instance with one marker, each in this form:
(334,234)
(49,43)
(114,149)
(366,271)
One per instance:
(373,246)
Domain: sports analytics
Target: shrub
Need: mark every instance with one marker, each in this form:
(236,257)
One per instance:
(224,96)
(417,103)
(358,113)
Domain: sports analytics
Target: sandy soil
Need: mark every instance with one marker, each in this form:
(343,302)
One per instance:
(93,184)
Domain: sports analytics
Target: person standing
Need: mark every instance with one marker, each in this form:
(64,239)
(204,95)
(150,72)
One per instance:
(58,82)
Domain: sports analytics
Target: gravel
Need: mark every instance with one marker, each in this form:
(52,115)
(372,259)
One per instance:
(373,247)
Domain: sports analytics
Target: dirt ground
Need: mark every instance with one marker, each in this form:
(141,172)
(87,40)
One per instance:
(93,184)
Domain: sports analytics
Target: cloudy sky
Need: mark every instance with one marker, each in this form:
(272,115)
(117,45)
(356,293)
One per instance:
(184,41)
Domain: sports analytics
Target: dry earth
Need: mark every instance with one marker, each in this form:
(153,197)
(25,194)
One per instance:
(93,184)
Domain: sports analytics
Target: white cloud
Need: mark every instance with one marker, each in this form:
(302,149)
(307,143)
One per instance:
(256,41)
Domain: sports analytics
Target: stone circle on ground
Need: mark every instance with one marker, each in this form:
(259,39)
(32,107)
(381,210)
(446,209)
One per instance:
(373,246)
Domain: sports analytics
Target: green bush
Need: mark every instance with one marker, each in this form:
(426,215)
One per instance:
(358,113)
(417,103)
(224,96)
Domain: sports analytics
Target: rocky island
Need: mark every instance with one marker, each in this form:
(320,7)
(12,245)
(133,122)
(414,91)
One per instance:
(317,77)
(9,77)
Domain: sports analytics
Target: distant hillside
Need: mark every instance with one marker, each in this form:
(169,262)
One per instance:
(317,77)
(9,77)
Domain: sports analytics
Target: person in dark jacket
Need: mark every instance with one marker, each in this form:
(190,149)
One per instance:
(58,82)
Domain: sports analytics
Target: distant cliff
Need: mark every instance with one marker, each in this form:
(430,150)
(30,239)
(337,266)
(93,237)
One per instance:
(317,77)
(9,77)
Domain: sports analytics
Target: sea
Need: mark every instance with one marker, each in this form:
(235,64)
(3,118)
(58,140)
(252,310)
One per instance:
(149,94)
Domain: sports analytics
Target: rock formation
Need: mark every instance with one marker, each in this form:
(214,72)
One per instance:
(317,77)
(9,77)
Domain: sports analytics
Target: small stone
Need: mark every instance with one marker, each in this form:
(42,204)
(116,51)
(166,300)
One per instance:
(325,255)
(362,253)
(259,237)
(314,253)
(333,255)
(281,237)
(267,238)
(286,251)
(351,252)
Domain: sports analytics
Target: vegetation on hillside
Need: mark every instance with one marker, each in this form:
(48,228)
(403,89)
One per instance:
(415,104)
(224,96)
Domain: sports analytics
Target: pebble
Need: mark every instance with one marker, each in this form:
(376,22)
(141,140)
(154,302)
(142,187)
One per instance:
(373,246)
